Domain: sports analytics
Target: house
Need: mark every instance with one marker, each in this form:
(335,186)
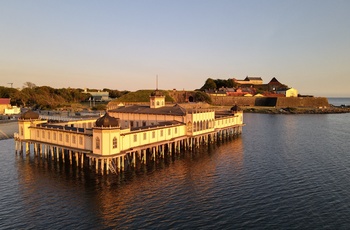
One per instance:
(288,92)
(250,81)
(4,104)
(98,95)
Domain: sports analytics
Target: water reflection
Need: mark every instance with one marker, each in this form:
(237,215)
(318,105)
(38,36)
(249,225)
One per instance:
(115,200)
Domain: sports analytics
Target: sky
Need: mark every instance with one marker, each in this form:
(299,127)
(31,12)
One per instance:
(125,45)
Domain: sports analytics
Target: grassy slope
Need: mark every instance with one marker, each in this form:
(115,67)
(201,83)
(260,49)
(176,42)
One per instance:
(141,96)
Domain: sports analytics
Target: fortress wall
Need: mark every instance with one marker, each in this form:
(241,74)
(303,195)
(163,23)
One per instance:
(271,101)
(230,101)
(302,102)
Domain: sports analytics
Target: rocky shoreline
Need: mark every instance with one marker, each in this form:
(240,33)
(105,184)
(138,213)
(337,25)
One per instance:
(290,110)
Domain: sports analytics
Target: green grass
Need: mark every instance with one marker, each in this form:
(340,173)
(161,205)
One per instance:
(142,96)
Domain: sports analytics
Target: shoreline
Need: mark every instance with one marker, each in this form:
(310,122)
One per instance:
(292,110)
(7,129)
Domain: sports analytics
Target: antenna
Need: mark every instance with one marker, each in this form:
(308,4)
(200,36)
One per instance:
(157,82)
(10,84)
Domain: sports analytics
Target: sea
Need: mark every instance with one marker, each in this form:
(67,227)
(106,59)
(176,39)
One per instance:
(283,172)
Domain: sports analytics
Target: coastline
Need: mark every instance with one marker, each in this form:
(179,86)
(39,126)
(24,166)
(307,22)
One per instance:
(7,129)
(291,110)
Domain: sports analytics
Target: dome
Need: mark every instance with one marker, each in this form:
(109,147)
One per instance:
(107,121)
(30,115)
(235,108)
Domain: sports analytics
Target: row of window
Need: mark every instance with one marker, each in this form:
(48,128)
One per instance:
(202,125)
(161,134)
(98,143)
(60,137)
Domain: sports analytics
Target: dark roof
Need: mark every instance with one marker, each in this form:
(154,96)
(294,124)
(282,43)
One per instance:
(61,127)
(235,108)
(175,110)
(30,115)
(274,81)
(107,121)
(157,93)
(160,124)
(253,78)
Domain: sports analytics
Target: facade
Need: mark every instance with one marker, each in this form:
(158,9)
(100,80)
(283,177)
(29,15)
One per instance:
(4,104)
(127,135)
(250,81)
(98,95)
(288,92)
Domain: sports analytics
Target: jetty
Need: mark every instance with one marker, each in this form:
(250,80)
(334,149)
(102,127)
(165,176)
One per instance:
(126,136)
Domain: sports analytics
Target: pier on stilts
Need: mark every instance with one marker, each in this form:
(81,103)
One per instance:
(129,159)
(127,136)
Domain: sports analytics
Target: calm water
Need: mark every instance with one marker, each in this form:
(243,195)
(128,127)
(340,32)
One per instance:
(285,172)
(337,101)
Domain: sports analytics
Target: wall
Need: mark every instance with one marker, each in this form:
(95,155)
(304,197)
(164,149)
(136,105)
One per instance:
(272,101)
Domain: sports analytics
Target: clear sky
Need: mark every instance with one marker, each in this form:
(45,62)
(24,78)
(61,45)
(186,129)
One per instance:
(124,45)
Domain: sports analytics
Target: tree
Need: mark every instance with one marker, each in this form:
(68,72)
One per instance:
(209,84)
(202,97)
(29,85)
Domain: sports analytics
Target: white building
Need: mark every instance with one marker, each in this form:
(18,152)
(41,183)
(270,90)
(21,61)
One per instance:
(127,135)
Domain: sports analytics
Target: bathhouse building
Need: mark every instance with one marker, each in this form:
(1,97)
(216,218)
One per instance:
(128,135)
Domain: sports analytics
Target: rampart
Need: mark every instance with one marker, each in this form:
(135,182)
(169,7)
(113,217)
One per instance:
(314,102)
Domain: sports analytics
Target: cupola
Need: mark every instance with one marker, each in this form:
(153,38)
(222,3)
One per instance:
(29,115)
(157,99)
(107,121)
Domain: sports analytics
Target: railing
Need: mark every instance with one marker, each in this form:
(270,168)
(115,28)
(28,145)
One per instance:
(112,167)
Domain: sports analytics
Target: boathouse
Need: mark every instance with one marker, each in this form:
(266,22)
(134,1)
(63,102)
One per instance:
(127,135)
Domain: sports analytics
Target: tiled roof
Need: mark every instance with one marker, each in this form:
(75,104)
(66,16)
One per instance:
(175,110)
(5,101)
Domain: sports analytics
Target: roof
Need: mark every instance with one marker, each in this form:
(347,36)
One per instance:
(30,115)
(274,81)
(175,110)
(253,78)
(160,124)
(5,101)
(107,121)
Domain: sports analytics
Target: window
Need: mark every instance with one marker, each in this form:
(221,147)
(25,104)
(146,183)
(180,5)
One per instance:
(54,136)
(115,143)
(80,140)
(60,136)
(153,134)
(131,124)
(176,130)
(97,142)
(169,131)
(161,133)
(135,137)
(48,135)
(144,136)
(21,130)
(143,123)
(37,133)
(67,138)
(73,139)
(43,134)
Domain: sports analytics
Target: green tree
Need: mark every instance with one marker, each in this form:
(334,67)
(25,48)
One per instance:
(200,96)
(209,84)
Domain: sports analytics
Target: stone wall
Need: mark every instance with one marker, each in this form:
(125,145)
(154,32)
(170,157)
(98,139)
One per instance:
(271,101)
